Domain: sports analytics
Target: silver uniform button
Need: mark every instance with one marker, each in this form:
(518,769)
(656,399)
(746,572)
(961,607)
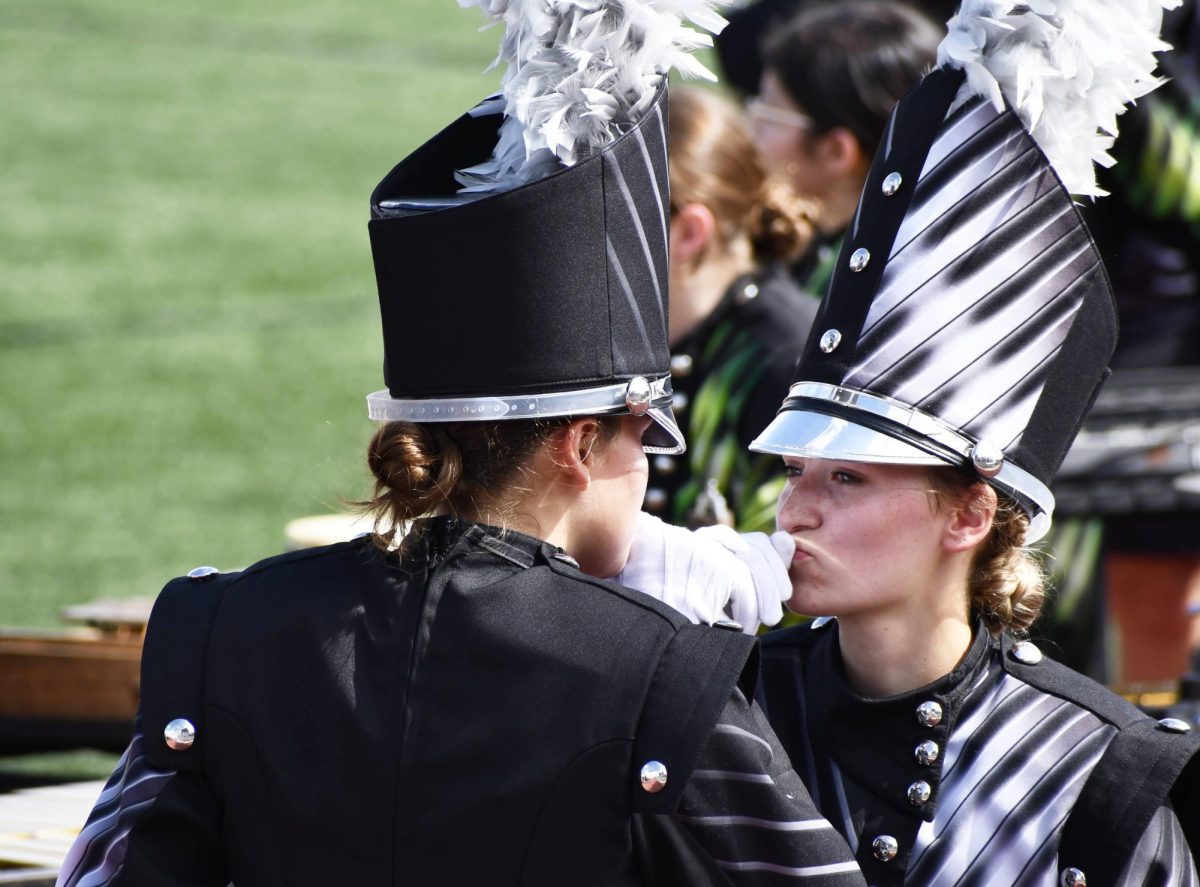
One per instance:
(830,339)
(1073,877)
(566,559)
(727,624)
(820,622)
(892,184)
(1174,725)
(927,753)
(929,713)
(885,848)
(859,259)
(1026,652)
(664,465)
(681,364)
(749,293)
(654,776)
(679,401)
(656,499)
(202,572)
(918,793)
(179,734)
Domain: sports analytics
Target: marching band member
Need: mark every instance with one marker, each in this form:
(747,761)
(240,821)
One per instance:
(461,702)
(965,333)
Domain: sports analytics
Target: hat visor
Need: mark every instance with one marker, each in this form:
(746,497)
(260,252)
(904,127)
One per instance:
(662,435)
(820,436)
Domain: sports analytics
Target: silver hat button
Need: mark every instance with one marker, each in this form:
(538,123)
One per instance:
(179,734)
(918,793)
(202,572)
(637,396)
(1073,877)
(926,753)
(1027,653)
(654,776)
(929,713)
(830,339)
(987,457)
(859,259)
(1174,725)
(885,848)
(892,184)
(681,364)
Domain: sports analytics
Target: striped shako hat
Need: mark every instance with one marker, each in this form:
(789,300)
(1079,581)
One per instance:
(970,320)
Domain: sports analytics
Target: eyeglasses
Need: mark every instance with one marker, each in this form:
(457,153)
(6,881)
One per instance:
(759,111)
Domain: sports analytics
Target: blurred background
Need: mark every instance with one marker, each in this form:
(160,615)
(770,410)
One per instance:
(188,317)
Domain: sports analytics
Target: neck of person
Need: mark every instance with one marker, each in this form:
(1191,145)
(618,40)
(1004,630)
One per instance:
(892,652)
(838,206)
(697,291)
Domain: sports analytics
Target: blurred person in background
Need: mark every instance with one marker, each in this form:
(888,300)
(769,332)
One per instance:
(831,76)
(739,45)
(736,319)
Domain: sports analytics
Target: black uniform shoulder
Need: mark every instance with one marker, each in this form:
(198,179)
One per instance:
(566,571)
(1145,765)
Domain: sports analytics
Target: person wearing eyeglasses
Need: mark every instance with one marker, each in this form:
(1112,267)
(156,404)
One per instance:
(831,76)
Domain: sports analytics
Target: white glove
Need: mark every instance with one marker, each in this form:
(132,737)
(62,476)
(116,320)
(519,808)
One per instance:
(767,558)
(712,573)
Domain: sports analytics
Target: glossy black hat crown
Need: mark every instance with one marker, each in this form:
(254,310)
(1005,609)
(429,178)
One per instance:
(969,321)
(546,300)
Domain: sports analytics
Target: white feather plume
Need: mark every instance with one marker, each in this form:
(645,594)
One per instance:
(1068,68)
(578,74)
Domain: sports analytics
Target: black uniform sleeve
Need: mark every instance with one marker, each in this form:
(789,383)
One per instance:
(1162,857)
(753,816)
(149,826)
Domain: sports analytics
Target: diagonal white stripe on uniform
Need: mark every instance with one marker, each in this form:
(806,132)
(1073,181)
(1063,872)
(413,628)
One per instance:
(916,319)
(733,776)
(806,871)
(928,256)
(1021,333)
(734,730)
(801,825)
(969,122)
(654,186)
(615,263)
(931,206)
(641,233)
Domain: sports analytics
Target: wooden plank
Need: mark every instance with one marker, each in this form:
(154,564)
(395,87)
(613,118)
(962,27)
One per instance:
(38,825)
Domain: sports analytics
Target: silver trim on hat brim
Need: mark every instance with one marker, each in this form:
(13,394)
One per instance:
(797,431)
(664,437)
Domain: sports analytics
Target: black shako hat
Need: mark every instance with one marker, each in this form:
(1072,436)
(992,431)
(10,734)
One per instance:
(970,321)
(546,300)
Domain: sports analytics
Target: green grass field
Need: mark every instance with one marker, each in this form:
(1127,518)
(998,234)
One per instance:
(188,320)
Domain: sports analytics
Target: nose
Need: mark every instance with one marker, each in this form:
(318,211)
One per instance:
(799,506)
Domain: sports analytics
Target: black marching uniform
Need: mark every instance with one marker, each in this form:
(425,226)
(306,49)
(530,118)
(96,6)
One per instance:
(474,709)
(475,712)
(968,324)
(1010,750)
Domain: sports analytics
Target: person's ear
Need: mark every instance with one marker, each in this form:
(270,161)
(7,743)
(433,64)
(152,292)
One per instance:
(692,229)
(572,451)
(840,153)
(970,521)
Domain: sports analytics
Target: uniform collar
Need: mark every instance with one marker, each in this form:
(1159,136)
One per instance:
(895,746)
(438,536)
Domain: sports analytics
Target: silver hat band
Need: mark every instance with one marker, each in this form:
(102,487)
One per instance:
(382,407)
(917,428)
